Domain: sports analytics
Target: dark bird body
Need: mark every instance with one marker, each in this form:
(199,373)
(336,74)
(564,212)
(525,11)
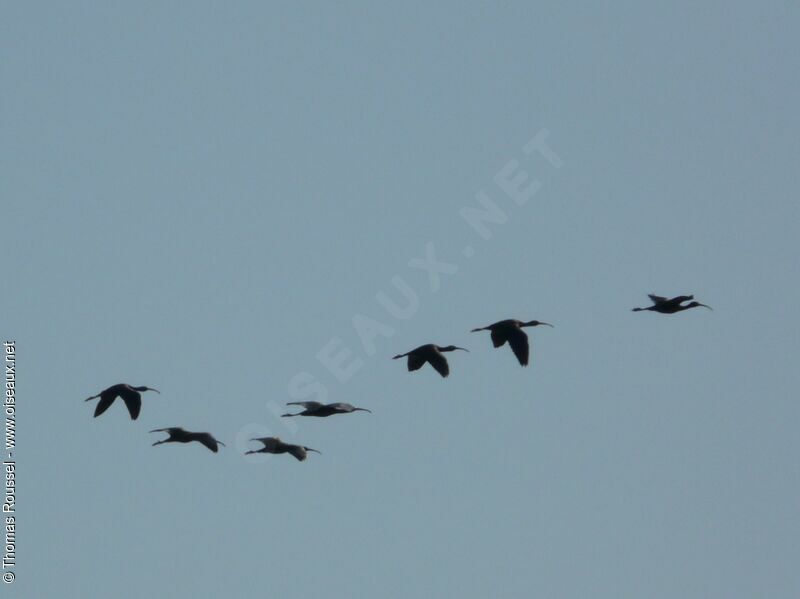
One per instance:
(130,395)
(275,445)
(315,408)
(510,331)
(664,305)
(432,354)
(179,435)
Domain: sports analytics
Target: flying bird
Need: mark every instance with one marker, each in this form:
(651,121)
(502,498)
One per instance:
(511,331)
(432,354)
(275,445)
(180,435)
(315,408)
(130,395)
(665,305)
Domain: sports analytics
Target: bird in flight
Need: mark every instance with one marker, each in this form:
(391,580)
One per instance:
(432,354)
(130,395)
(315,408)
(180,435)
(511,331)
(665,305)
(275,445)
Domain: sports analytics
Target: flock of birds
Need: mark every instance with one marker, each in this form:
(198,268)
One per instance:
(502,332)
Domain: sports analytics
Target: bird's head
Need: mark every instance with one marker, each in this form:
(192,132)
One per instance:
(146,389)
(536,323)
(452,348)
(697,304)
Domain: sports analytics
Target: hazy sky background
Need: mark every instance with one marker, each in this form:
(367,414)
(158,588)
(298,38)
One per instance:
(199,196)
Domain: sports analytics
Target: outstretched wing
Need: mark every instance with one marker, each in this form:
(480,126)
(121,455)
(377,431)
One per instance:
(207,440)
(518,340)
(169,429)
(439,362)
(269,442)
(657,299)
(297,451)
(133,401)
(498,338)
(308,405)
(415,362)
(106,399)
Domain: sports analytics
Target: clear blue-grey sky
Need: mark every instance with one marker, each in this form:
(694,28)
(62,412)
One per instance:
(202,197)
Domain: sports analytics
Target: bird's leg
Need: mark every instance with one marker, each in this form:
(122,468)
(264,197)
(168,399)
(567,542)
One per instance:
(92,397)
(159,442)
(287,415)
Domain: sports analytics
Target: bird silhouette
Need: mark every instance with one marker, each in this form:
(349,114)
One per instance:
(130,395)
(180,435)
(315,408)
(275,445)
(664,305)
(511,331)
(432,354)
